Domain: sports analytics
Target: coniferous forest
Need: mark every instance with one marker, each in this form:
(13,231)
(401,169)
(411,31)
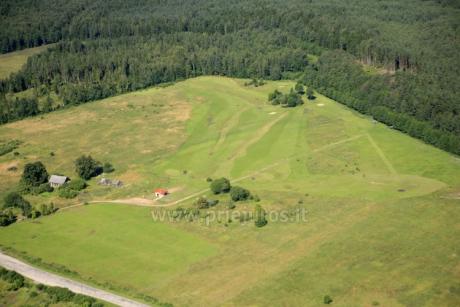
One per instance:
(396,60)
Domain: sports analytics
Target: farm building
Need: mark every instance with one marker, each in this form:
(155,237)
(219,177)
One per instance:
(57,181)
(160,193)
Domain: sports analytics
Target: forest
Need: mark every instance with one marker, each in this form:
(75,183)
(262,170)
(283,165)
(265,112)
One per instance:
(109,47)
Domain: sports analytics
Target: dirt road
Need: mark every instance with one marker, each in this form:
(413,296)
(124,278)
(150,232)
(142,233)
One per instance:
(50,279)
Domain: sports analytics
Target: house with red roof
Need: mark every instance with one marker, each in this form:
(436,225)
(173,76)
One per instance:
(159,193)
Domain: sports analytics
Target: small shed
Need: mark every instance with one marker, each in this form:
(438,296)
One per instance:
(160,193)
(57,181)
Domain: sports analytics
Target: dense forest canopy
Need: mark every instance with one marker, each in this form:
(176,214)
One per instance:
(110,47)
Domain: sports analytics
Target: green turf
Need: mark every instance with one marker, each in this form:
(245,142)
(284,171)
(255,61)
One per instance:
(111,243)
(383,208)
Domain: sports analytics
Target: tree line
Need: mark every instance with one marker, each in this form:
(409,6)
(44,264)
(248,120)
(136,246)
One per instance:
(111,47)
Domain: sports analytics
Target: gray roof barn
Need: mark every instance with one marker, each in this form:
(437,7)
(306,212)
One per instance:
(58,180)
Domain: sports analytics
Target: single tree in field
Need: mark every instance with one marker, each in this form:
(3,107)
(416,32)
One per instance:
(239,193)
(221,185)
(86,167)
(260,219)
(34,174)
(310,93)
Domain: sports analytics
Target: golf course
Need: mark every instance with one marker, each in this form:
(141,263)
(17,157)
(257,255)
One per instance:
(382,208)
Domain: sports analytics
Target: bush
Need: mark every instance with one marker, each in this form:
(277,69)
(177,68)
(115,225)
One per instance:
(239,193)
(47,210)
(7,218)
(327,300)
(14,200)
(108,168)
(259,216)
(221,185)
(16,280)
(65,192)
(9,147)
(202,203)
(44,187)
(76,185)
(35,214)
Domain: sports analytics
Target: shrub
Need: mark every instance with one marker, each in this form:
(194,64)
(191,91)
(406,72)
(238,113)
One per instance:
(239,193)
(108,168)
(202,203)
(9,147)
(76,184)
(310,94)
(65,192)
(7,218)
(16,280)
(259,216)
(44,187)
(221,185)
(14,200)
(327,300)
(47,210)
(35,214)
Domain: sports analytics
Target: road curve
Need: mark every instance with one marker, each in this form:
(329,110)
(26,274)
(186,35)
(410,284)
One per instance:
(50,279)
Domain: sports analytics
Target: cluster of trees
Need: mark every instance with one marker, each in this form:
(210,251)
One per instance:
(111,47)
(34,180)
(56,294)
(237,193)
(290,100)
(222,185)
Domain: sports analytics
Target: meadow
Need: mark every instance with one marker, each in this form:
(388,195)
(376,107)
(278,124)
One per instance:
(383,208)
(13,61)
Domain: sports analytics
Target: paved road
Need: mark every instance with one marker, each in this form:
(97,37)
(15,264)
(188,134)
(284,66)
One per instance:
(50,279)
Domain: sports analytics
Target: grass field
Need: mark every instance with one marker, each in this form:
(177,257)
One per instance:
(13,61)
(383,208)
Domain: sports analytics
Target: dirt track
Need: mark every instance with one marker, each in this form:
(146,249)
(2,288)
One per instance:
(50,279)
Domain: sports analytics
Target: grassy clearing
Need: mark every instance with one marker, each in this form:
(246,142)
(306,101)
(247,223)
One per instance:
(13,61)
(379,228)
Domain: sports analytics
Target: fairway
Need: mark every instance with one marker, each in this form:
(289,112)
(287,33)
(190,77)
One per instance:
(383,208)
